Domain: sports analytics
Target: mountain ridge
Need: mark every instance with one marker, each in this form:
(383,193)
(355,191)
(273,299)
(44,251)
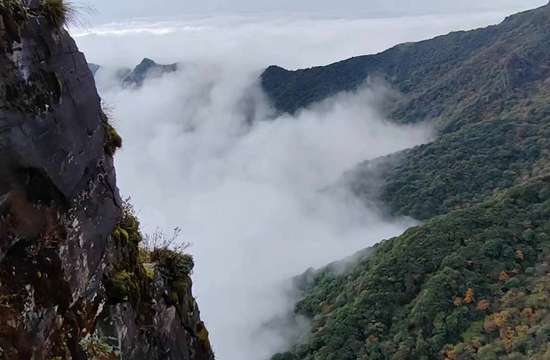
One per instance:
(146,69)
(404,67)
(472,282)
(504,85)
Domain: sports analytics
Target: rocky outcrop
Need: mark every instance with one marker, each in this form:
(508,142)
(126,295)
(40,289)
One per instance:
(61,238)
(147,69)
(94,68)
(174,332)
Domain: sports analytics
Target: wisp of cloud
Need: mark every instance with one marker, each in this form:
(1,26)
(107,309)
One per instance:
(203,152)
(247,195)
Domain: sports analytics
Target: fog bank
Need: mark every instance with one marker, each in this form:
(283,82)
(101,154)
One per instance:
(247,196)
(200,154)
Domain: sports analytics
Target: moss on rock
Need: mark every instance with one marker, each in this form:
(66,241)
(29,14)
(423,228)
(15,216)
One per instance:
(176,265)
(203,335)
(113,141)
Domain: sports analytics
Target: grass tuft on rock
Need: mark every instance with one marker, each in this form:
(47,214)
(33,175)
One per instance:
(113,141)
(59,12)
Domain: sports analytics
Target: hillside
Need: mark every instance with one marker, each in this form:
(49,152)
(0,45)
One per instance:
(77,278)
(473,284)
(459,78)
(486,91)
(473,281)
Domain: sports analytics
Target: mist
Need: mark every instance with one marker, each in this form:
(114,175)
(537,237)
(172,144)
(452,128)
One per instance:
(255,42)
(203,152)
(108,10)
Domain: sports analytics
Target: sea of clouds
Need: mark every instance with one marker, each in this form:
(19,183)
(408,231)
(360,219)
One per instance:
(203,152)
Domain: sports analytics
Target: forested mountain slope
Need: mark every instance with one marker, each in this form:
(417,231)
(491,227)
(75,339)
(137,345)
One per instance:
(485,90)
(473,284)
(459,78)
(473,281)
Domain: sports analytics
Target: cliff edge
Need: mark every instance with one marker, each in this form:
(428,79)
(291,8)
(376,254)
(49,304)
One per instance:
(73,280)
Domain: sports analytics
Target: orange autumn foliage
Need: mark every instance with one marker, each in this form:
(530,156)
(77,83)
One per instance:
(458,301)
(484,305)
(519,255)
(470,296)
(503,276)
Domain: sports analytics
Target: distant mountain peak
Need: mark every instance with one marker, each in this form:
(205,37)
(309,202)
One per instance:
(148,68)
(93,68)
(148,61)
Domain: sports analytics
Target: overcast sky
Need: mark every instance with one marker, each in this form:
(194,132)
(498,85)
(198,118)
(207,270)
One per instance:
(109,10)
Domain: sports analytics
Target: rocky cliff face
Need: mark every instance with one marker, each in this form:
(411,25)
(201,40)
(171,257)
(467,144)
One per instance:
(67,255)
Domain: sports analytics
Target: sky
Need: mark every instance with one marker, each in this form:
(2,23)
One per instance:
(109,10)
(248,196)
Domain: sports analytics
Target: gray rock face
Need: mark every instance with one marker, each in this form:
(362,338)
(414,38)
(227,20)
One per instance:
(59,206)
(147,69)
(164,337)
(94,68)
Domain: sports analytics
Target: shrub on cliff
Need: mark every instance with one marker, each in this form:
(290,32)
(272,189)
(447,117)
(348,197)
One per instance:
(169,256)
(166,251)
(113,141)
(142,255)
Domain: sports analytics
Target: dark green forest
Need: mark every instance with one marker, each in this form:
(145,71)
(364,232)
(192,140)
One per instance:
(472,282)
(438,287)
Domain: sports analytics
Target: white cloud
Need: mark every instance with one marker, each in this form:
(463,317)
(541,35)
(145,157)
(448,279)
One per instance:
(108,10)
(258,41)
(247,196)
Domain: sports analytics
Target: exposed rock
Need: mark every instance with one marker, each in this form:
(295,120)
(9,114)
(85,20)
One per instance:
(94,68)
(147,69)
(163,337)
(59,206)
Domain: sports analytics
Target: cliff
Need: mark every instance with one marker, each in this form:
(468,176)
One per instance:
(73,280)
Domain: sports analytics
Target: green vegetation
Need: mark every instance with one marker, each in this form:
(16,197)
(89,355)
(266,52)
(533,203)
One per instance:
(203,335)
(113,141)
(472,282)
(456,170)
(17,13)
(150,273)
(141,256)
(486,91)
(459,78)
(129,280)
(169,256)
(518,324)
(98,348)
(59,13)
(430,290)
